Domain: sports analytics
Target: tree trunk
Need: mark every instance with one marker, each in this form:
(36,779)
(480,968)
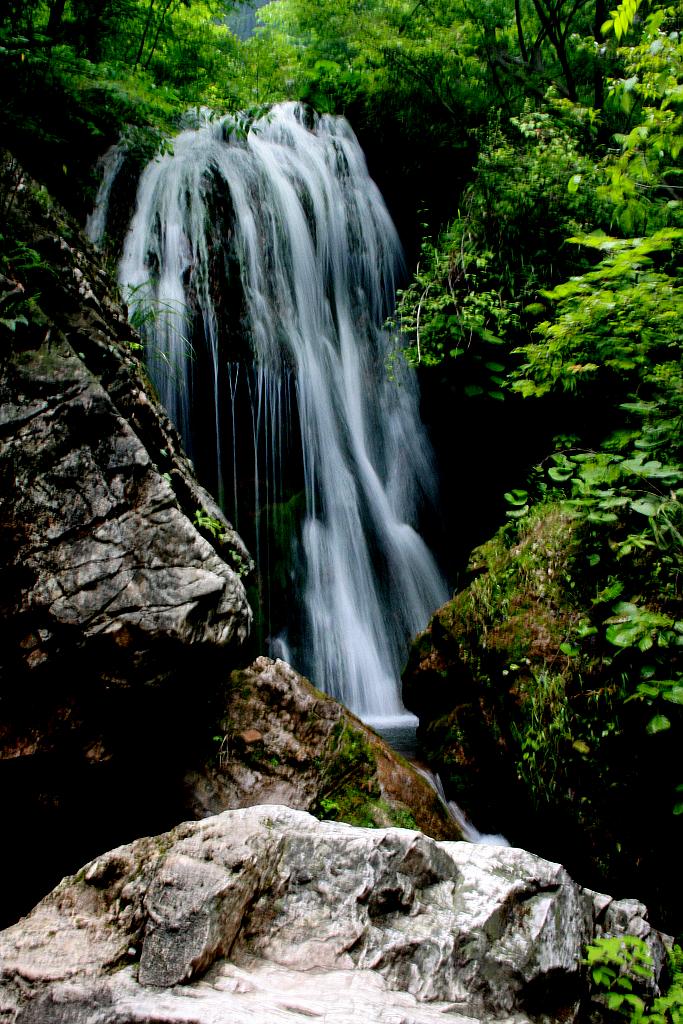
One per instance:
(520,32)
(55,20)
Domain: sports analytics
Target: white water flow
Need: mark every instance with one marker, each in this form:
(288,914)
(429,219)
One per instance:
(317,256)
(456,813)
(109,165)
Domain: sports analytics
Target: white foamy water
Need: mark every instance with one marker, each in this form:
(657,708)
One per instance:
(318,257)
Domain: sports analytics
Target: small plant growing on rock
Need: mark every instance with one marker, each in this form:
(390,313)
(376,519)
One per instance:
(203,520)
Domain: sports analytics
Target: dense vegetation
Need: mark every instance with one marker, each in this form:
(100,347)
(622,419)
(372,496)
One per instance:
(561,275)
(545,141)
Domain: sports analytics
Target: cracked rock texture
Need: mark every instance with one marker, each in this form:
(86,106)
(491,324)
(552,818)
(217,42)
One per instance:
(266,914)
(113,605)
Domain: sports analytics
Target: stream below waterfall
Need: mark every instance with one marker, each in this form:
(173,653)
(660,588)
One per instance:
(261,265)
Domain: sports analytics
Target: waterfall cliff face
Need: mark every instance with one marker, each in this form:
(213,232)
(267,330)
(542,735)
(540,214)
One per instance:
(286,220)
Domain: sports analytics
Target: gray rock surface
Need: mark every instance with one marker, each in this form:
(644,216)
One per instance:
(119,618)
(105,574)
(106,547)
(265,915)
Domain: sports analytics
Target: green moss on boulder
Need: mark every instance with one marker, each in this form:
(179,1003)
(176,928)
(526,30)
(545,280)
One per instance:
(534,719)
(281,741)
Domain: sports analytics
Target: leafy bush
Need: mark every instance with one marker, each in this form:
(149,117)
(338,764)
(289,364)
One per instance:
(621,969)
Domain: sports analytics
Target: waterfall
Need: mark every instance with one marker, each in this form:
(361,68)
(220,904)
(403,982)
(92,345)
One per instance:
(278,235)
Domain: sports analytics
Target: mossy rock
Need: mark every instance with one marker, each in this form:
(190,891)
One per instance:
(526,717)
(282,741)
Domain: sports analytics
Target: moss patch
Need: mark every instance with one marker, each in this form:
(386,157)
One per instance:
(349,785)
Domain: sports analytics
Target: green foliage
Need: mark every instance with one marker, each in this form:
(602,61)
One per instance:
(145,311)
(614,324)
(19,300)
(476,290)
(348,785)
(621,969)
(534,246)
(385,53)
(518,500)
(629,510)
(614,329)
(401,817)
(429,66)
(621,20)
(544,735)
(643,175)
(203,520)
(76,76)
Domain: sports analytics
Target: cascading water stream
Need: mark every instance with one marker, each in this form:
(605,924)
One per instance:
(110,163)
(289,210)
(456,813)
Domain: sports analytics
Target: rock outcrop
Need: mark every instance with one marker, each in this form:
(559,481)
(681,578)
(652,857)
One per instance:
(117,612)
(266,914)
(470,673)
(528,714)
(284,742)
(97,506)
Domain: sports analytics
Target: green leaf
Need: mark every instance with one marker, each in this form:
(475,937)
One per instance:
(492,339)
(516,496)
(560,474)
(660,723)
(623,636)
(615,501)
(609,593)
(645,690)
(517,513)
(602,517)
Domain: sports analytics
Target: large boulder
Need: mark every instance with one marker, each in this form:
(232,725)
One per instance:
(281,741)
(118,612)
(536,723)
(470,674)
(265,914)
